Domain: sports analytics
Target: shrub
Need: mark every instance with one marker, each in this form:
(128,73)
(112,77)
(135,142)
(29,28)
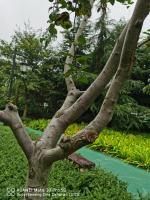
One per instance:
(74,128)
(131,116)
(127,116)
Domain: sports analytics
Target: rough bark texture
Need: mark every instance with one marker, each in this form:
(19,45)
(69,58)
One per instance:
(50,148)
(37,182)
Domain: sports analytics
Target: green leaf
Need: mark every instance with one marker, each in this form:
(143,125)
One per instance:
(52,29)
(70,6)
(112,2)
(82,40)
(63,3)
(42,39)
(82,59)
(68,73)
(66,24)
(53,16)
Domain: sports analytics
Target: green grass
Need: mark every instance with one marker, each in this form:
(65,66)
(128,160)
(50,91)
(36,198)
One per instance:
(93,184)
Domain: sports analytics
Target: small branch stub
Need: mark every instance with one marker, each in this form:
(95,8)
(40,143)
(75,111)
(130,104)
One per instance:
(12,107)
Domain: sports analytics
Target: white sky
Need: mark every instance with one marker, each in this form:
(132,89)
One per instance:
(15,13)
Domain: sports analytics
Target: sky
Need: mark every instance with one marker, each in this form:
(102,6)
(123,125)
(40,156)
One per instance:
(14,13)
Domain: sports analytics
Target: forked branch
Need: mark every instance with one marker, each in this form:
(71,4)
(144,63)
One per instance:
(63,117)
(89,133)
(51,133)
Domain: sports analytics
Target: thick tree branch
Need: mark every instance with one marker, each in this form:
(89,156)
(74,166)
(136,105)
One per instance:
(52,132)
(11,117)
(72,96)
(125,65)
(98,85)
(89,134)
(58,125)
(73,93)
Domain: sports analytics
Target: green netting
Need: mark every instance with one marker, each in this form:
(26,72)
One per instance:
(138,180)
(32,131)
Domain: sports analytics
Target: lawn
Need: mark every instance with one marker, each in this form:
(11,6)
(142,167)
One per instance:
(93,184)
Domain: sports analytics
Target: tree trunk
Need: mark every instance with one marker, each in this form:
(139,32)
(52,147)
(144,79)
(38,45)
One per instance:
(26,101)
(37,181)
(12,75)
(17,93)
(25,111)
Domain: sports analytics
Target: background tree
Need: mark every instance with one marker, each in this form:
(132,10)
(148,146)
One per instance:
(37,71)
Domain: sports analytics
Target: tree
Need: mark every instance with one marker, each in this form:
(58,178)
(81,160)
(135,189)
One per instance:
(53,146)
(33,79)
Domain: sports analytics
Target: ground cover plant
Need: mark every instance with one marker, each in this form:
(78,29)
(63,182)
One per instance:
(132,147)
(94,184)
(38,124)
